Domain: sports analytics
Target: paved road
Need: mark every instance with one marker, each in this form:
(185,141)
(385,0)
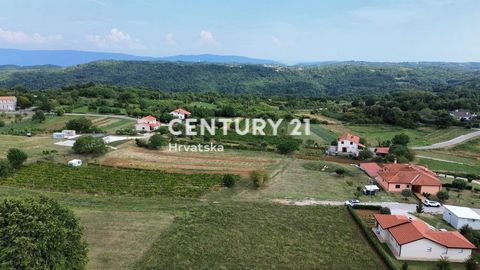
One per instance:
(395,207)
(103,115)
(451,142)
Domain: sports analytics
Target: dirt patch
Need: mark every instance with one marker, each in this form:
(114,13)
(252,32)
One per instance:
(367,216)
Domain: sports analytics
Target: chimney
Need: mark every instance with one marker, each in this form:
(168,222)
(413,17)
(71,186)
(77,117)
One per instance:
(395,161)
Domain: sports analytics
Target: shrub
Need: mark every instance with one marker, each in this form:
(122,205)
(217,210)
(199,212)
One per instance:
(5,168)
(419,208)
(442,195)
(229,180)
(471,264)
(288,147)
(40,226)
(365,154)
(38,116)
(340,171)
(259,178)
(16,157)
(443,264)
(405,266)
(2,123)
(385,210)
(459,183)
(156,141)
(406,193)
(141,143)
(89,145)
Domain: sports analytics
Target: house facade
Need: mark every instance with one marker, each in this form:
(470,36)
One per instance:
(460,216)
(8,103)
(147,124)
(180,113)
(348,144)
(397,177)
(414,240)
(463,115)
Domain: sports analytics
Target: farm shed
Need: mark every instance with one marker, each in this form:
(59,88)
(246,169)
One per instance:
(459,216)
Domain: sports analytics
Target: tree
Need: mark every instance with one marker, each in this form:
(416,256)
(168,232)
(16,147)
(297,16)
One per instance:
(287,147)
(229,180)
(443,264)
(401,153)
(60,111)
(89,145)
(471,264)
(470,234)
(401,139)
(442,195)
(81,124)
(365,154)
(40,234)
(16,157)
(385,211)
(259,178)
(156,141)
(406,193)
(39,116)
(5,168)
(419,208)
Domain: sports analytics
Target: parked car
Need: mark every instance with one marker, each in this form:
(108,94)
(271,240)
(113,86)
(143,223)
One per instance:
(352,202)
(431,203)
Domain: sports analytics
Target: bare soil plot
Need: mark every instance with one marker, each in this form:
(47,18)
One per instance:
(229,161)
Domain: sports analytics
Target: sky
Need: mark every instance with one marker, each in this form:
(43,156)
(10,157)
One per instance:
(284,30)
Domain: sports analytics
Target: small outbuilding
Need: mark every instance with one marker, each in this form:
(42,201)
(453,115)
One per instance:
(75,163)
(458,216)
(370,190)
(58,135)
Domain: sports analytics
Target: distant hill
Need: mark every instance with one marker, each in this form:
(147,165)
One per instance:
(67,58)
(349,78)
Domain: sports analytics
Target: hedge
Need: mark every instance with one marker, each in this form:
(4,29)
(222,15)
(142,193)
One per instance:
(367,207)
(449,185)
(372,239)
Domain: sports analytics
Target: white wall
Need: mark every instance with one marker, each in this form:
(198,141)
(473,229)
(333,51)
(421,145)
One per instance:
(458,223)
(351,147)
(426,249)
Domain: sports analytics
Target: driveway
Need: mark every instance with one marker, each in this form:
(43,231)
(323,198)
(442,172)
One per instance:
(451,142)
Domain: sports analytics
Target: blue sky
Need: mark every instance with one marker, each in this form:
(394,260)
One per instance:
(284,30)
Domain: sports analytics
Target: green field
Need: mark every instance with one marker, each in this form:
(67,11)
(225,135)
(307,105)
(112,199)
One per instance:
(418,137)
(107,180)
(261,236)
(442,166)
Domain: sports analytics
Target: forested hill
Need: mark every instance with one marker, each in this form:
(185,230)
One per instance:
(306,80)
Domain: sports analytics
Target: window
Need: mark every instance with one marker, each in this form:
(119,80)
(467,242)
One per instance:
(342,142)
(408,186)
(351,143)
(429,249)
(397,186)
(460,251)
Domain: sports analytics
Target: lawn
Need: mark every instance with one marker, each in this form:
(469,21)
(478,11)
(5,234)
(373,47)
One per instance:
(436,220)
(261,236)
(442,166)
(111,181)
(33,146)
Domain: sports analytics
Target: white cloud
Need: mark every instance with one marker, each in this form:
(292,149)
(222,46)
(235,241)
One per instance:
(207,37)
(18,37)
(114,39)
(170,39)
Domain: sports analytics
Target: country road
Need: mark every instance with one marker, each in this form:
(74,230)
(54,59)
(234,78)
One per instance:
(451,142)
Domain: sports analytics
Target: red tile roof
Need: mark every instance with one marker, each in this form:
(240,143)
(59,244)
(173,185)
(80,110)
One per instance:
(408,231)
(409,174)
(371,168)
(149,118)
(382,150)
(388,221)
(349,137)
(182,111)
(8,98)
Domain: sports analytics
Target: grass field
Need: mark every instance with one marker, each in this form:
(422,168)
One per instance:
(106,180)
(230,161)
(443,166)
(55,123)
(261,236)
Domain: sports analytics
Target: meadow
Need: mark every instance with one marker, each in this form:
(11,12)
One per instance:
(261,236)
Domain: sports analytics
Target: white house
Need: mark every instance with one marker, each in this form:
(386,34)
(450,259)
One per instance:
(414,240)
(463,115)
(147,123)
(459,216)
(349,144)
(181,113)
(8,103)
